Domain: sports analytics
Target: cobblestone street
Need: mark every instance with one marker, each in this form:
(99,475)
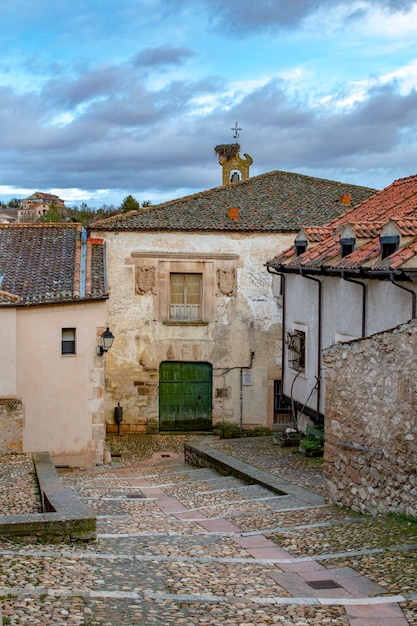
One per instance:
(183,545)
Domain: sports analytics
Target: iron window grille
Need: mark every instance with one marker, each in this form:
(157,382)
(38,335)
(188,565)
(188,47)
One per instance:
(296,344)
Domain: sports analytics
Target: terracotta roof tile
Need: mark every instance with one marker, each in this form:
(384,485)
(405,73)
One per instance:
(317,233)
(273,202)
(397,203)
(40,263)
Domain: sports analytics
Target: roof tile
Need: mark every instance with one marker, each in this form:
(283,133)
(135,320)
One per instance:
(41,263)
(273,202)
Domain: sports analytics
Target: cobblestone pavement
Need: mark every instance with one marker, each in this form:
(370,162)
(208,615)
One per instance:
(182,545)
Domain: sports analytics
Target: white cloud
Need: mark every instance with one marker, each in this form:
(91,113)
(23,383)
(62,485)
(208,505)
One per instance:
(394,25)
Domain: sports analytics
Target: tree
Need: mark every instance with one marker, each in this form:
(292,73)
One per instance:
(53,214)
(129,204)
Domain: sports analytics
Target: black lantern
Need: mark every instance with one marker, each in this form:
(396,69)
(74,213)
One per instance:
(107,339)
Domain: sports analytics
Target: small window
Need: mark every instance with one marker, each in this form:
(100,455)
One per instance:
(389,245)
(186,297)
(347,246)
(68,341)
(296,344)
(300,246)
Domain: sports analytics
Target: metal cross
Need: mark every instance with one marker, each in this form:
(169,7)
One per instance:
(236,130)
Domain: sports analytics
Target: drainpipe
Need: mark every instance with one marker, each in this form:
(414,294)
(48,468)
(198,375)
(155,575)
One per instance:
(413,294)
(245,367)
(83,262)
(358,282)
(319,306)
(283,285)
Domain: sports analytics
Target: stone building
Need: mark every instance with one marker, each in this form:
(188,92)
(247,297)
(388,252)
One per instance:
(36,206)
(196,319)
(52,313)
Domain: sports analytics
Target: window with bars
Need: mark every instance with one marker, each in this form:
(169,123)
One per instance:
(68,341)
(296,344)
(186,297)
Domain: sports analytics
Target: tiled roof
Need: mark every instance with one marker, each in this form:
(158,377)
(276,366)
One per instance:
(8,298)
(396,204)
(43,263)
(276,201)
(317,233)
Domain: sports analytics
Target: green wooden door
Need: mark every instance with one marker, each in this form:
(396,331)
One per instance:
(185,396)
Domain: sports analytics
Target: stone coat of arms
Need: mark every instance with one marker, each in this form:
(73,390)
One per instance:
(226,280)
(145,279)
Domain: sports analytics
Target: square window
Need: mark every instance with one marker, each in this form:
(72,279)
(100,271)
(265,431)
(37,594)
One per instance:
(185,296)
(68,341)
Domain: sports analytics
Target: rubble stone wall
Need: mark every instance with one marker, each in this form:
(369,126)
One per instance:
(11,425)
(371,422)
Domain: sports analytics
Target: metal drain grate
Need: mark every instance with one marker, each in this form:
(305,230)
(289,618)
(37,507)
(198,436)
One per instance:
(135,495)
(324,584)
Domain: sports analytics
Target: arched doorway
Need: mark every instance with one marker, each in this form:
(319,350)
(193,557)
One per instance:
(185,396)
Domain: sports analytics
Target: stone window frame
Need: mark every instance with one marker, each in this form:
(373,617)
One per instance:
(167,263)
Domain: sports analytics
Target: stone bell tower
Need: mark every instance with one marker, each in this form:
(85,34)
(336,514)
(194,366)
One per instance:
(234,168)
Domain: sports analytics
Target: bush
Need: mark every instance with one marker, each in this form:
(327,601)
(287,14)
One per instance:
(312,444)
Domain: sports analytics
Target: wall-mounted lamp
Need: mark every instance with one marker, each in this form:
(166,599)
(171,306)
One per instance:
(107,339)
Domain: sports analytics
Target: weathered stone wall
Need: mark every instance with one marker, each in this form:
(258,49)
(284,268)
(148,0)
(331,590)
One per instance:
(371,422)
(11,425)
(240,315)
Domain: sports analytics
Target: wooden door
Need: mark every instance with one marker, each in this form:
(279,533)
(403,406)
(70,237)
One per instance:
(185,396)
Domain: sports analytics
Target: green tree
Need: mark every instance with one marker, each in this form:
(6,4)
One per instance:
(53,214)
(129,204)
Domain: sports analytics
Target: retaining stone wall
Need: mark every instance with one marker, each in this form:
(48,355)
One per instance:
(11,425)
(371,422)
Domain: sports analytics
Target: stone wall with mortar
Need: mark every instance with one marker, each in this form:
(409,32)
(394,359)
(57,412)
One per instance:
(371,422)
(11,425)
(237,322)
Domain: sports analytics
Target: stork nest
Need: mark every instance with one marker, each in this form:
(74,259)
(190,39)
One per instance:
(227,150)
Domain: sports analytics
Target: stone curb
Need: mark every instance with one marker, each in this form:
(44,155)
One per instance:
(205,456)
(65,517)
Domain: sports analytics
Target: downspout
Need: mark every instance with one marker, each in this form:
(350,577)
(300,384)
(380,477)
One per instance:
(413,294)
(245,367)
(83,262)
(319,314)
(283,285)
(358,282)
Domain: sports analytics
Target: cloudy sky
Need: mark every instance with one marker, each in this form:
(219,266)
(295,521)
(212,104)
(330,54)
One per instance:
(100,99)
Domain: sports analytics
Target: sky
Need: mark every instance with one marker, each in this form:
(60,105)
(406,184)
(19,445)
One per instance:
(102,99)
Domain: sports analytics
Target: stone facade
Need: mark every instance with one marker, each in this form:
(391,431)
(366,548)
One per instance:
(240,315)
(371,422)
(11,425)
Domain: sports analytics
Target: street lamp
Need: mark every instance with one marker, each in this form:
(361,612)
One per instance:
(107,339)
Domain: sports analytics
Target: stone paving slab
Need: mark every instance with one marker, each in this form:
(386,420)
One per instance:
(162,561)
